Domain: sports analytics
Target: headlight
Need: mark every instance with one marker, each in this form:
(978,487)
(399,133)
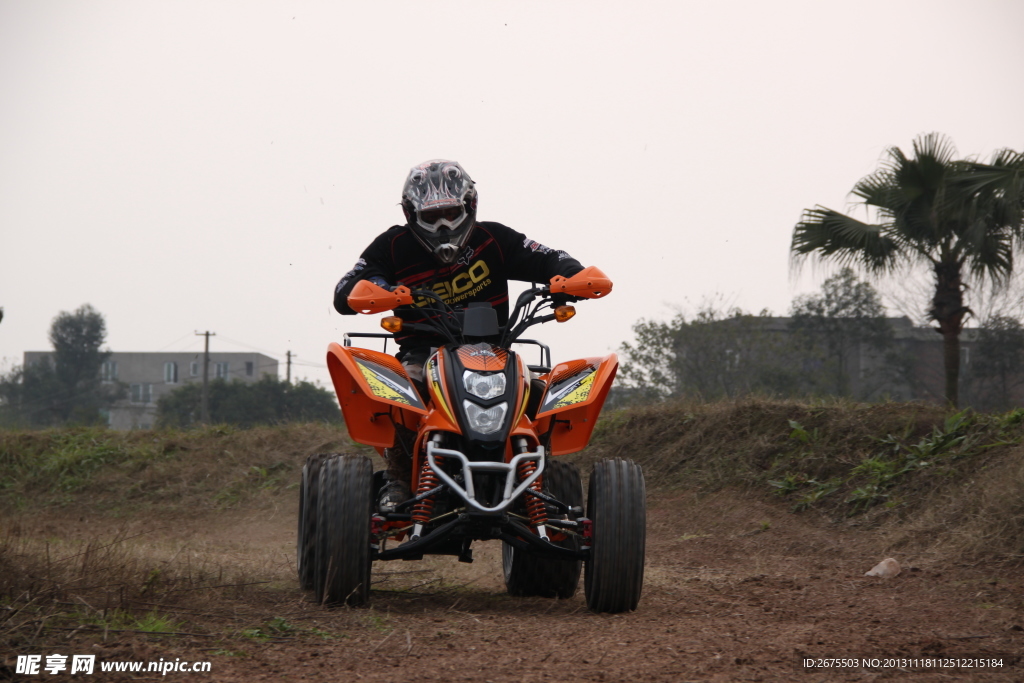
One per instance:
(484,386)
(485,420)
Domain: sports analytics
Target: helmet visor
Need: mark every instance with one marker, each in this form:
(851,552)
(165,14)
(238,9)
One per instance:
(448,217)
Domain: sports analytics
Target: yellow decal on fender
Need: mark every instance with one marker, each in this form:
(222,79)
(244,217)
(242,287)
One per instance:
(435,385)
(579,394)
(526,399)
(381,389)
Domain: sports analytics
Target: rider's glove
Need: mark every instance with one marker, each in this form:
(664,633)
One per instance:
(381,282)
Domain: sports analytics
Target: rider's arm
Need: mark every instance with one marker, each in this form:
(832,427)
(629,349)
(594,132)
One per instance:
(531,261)
(375,264)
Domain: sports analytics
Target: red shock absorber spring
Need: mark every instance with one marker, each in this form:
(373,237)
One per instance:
(428,480)
(534,506)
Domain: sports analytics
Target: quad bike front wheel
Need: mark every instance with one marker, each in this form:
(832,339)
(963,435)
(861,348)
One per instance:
(527,574)
(344,505)
(309,489)
(617,508)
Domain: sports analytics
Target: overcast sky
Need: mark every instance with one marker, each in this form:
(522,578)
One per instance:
(187,166)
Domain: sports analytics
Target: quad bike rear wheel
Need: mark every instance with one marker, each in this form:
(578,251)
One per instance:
(526,574)
(309,489)
(617,508)
(345,500)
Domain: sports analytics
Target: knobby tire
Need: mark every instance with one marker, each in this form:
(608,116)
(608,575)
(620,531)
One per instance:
(614,572)
(343,531)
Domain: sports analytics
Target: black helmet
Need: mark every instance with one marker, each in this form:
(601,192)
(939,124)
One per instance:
(439,200)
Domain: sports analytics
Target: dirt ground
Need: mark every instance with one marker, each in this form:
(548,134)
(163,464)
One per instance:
(735,590)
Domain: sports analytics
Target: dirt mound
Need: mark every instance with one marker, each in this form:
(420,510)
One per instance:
(921,476)
(181,545)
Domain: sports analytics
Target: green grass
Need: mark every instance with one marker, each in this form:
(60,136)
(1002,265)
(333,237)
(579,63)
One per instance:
(157,623)
(64,460)
(121,471)
(377,622)
(122,620)
(893,461)
(278,627)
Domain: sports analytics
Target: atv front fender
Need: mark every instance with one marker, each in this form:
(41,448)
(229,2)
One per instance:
(573,400)
(371,386)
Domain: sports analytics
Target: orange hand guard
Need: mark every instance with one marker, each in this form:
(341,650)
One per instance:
(369,298)
(589,283)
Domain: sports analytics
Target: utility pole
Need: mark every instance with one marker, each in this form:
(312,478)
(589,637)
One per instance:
(205,409)
(288,372)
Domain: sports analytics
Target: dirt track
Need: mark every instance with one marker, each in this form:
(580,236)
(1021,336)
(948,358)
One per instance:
(742,591)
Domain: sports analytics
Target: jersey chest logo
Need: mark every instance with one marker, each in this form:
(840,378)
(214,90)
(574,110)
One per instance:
(463,285)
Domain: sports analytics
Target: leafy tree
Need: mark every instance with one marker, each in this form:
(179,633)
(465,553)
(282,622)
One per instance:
(717,354)
(960,217)
(68,390)
(27,396)
(268,401)
(77,359)
(846,315)
(649,371)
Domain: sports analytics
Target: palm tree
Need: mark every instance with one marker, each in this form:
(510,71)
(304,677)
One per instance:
(962,218)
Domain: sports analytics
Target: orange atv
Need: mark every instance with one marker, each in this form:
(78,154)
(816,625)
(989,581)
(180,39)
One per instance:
(484,437)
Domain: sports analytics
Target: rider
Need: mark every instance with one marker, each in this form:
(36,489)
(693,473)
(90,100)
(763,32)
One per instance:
(444,248)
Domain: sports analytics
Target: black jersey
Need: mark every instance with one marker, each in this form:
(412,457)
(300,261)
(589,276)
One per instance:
(493,255)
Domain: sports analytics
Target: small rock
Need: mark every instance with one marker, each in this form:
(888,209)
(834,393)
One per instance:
(886,569)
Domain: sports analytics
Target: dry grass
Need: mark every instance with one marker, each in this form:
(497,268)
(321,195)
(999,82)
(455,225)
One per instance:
(975,517)
(114,585)
(99,561)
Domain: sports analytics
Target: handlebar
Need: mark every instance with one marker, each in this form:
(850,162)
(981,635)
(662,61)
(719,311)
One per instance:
(589,283)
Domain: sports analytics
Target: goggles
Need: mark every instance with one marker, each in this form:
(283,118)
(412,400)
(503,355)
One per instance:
(448,217)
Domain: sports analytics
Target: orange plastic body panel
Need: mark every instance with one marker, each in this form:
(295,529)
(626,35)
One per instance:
(363,407)
(523,393)
(434,373)
(488,361)
(524,428)
(574,422)
(369,415)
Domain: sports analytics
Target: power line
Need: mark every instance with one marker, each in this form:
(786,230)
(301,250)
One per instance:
(258,349)
(272,354)
(308,364)
(248,346)
(173,342)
